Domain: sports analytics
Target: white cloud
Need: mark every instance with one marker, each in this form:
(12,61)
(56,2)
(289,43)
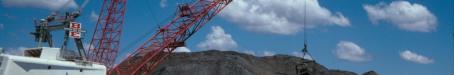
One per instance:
(122,57)
(87,46)
(45,4)
(249,52)
(163,3)
(268,53)
(300,54)
(413,57)
(94,17)
(182,49)
(2,26)
(407,16)
(350,51)
(16,51)
(281,16)
(218,40)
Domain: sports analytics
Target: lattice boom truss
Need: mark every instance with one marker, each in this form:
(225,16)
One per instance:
(190,18)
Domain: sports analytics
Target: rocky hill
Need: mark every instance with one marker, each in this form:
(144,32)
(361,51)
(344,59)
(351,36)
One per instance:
(215,62)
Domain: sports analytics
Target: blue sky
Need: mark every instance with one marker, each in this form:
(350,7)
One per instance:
(413,37)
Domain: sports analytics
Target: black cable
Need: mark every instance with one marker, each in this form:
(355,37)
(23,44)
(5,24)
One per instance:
(151,12)
(144,36)
(305,49)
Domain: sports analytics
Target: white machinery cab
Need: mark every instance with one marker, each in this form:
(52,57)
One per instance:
(46,61)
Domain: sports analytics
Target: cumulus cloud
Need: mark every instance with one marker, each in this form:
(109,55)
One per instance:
(268,53)
(249,52)
(15,51)
(87,46)
(182,49)
(300,54)
(2,26)
(413,57)
(405,15)
(9,16)
(281,16)
(94,17)
(350,51)
(45,4)
(218,40)
(163,3)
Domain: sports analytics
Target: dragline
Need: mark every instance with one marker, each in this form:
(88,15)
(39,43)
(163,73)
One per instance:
(189,19)
(105,42)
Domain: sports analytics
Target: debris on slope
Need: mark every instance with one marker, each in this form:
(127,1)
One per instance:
(215,62)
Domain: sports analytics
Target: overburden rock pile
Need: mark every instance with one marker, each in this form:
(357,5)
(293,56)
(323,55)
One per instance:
(214,62)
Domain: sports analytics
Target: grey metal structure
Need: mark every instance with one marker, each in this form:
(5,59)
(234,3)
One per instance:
(44,28)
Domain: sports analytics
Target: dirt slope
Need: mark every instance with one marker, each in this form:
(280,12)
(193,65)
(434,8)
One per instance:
(215,62)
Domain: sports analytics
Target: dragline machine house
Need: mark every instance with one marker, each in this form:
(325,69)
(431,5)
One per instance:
(51,60)
(46,61)
(189,19)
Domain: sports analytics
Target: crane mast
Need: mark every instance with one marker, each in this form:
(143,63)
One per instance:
(105,42)
(189,19)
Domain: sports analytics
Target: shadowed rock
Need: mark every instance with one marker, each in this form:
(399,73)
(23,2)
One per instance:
(370,73)
(215,62)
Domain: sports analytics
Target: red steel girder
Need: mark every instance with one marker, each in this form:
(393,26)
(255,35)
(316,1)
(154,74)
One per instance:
(105,42)
(190,18)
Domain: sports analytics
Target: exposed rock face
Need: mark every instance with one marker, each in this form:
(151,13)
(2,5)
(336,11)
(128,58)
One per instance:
(370,73)
(233,63)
